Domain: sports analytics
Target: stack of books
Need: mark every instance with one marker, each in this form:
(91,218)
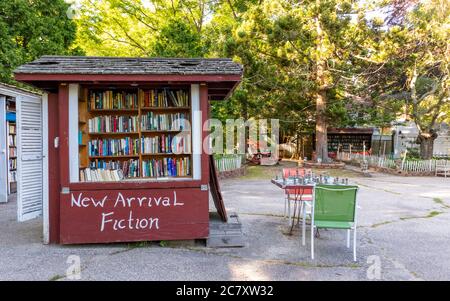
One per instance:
(113,147)
(113,124)
(164,122)
(166,167)
(102,170)
(100,175)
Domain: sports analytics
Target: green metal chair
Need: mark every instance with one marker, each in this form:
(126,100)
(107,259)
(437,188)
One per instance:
(334,207)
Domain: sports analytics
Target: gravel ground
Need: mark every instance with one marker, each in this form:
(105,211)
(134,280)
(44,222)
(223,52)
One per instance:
(404,234)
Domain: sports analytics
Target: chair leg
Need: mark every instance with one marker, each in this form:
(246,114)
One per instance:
(289,212)
(348,238)
(304,225)
(312,241)
(354,245)
(285,206)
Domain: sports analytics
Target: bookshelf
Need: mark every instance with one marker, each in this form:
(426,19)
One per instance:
(11,148)
(128,133)
(345,141)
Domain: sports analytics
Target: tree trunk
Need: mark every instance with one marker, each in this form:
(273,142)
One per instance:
(244,114)
(321,127)
(426,142)
(321,95)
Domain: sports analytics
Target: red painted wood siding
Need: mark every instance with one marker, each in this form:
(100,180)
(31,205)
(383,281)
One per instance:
(134,215)
(53,168)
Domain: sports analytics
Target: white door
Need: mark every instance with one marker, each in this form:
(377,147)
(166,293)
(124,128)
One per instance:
(3,150)
(30,158)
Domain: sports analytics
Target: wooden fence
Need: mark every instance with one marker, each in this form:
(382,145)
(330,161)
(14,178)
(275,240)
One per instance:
(414,166)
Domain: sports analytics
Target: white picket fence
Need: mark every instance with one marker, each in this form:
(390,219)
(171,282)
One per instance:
(228,163)
(404,165)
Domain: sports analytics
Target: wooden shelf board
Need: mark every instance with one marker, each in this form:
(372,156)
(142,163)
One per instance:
(119,111)
(164,154)
(167,178)
(160,131)
(114,157)
(165,108)
(114,134)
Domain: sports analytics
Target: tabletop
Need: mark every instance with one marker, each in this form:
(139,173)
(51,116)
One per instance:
(292,183)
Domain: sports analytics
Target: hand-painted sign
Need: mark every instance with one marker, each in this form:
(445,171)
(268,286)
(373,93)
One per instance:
(133,215)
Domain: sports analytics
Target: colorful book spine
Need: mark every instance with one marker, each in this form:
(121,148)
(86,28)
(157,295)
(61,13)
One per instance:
(164,122)
(113,124)
(128,168)
(113,147)
(107,100)
(165,98)
(166,144)
(166,167)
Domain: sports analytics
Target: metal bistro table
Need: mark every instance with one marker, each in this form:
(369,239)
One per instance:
(300,185)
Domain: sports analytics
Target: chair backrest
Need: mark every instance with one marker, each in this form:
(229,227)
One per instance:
(335,203)
(294,171)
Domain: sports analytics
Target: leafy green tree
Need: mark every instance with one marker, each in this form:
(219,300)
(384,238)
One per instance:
(143,28)
(308,58)
(177,39)
(418,64)
(29,29)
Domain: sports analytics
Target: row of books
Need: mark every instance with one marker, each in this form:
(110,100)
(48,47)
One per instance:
(164,122)
(165,98)
(13,176)
(101,100)
(166,144)
(12,140)
(166,167)
(100,175)
(12,164)
(113,147)
(12,152)
(99,170)
(12,128)
(113,124)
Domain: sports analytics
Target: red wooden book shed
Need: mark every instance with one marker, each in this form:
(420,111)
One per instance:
(136,209)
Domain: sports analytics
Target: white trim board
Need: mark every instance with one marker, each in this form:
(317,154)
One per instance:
(45,174)
(73,133)
(196,132)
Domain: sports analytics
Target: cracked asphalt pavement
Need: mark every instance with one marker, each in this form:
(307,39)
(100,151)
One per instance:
(403,234)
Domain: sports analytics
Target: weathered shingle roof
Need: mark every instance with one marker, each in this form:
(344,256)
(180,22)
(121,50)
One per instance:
(123,65)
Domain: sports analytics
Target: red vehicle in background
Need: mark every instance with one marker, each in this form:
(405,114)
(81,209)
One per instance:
(261,155)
